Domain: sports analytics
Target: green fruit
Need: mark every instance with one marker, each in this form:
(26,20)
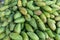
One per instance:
(25,36)
(31,6)
(17,15)
(33,36)
(19,20)
(15,36)
(6,38)
(58,24)
(2,35)
(17,28)
(57,37)
(33,23)
(40,34)
(29,27)
(57,18)
(43,18)
(58,30)
(51,24)
(40,23)
(2,29)
(50,33)
(47,8)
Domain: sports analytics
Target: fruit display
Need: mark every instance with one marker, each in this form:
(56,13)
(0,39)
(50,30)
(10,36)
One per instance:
(30,20)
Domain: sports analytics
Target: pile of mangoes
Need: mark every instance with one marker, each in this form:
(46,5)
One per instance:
(30,20)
